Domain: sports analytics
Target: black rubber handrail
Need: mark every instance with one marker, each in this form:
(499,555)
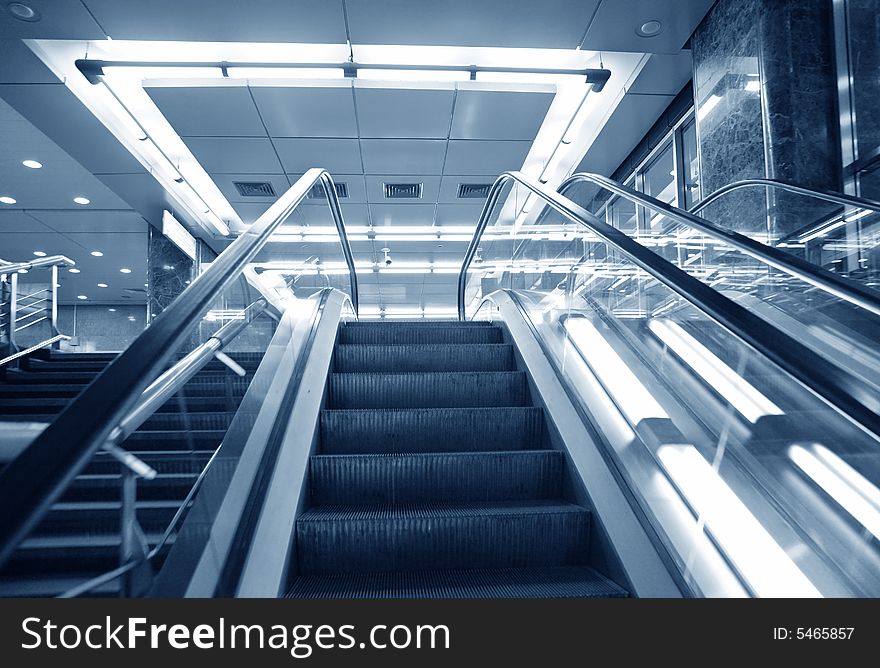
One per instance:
(834,385)
(41,474)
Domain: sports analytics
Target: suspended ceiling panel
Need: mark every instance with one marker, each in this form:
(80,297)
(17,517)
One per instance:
(524,23)
(222,20)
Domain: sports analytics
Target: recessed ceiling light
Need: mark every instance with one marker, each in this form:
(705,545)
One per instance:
(112,310)
(97,253)
(23,12)
(6,199)
(649,29)
(40,253)
(22,271)
(125,270)
(33,164)
(102,285)
(81,297)
(73,270)
(81,200)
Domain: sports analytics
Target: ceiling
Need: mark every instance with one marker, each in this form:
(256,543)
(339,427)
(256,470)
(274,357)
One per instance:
(45,218)
(366,136)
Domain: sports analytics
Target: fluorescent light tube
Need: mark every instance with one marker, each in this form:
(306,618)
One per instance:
(285,72)
(628,392)
(769,571)
(724,380)
(369,74)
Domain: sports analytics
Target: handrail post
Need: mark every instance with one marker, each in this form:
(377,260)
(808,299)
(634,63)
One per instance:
(53,304)
(13,312)
(133,544)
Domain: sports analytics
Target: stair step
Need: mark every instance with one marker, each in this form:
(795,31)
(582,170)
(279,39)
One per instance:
(558,582)
(108,486)
(428,390)
(14,377)
(362,431)
(421,357)
(56,555)
(442,536)
(103,517)
(54,405)
(163,461)
(405,333)
(190,420)
(147,438)
(435,477)
(41,586)
(197,387)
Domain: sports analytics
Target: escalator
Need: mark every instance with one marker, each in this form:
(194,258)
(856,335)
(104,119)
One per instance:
(605,419)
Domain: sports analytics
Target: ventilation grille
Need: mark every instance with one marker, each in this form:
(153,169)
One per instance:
(473,190)
(254,189)
(317,191)
(403,191)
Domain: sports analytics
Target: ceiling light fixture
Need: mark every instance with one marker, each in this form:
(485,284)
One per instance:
(82,200)
(73,270)
(81,297)
(32,164)
(96,253)
(40,253)
(112,310)
(103,285)
(6,199)
(371,74)
(23,12)
(649,29)
(125,270)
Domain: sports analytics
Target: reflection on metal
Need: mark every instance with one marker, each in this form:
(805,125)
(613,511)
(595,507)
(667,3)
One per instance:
(849,488)
(725,381)
(769,571)
(844,288)
(28,487)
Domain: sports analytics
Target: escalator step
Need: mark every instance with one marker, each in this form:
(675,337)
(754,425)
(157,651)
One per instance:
(430,430)
(428,390)
(421,357)
(507,534)
(419,333)
(558,582)
(423,477)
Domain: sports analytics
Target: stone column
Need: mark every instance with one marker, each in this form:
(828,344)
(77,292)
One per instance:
(169,272)
(765,92)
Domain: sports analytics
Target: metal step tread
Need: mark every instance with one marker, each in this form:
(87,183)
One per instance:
(535,582)
(384,513)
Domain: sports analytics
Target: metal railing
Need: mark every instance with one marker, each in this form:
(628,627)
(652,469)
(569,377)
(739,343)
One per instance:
(133,554)
(827,195)
(843,288)
(21,312)
(40,475)
(835,386)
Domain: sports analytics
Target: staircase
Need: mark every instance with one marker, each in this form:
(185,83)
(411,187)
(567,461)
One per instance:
(79,538)
(433,476)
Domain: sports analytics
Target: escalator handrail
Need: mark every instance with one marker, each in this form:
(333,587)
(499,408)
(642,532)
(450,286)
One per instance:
(839,286)
(42,472)
(834,385)
(827,195)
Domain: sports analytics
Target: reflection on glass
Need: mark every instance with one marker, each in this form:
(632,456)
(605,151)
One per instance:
(703,430)
(659,182)
(691,163)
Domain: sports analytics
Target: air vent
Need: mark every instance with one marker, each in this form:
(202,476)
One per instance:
(254,188)
(403,191)
(317,191)
(473,190)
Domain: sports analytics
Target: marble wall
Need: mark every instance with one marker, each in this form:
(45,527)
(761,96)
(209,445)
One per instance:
(765,97)
(101,328)
(169,272)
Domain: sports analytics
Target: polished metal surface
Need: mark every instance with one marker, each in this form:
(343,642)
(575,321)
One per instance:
(844,288)
(828,196)
(49,261)
(28,487)
(834,385)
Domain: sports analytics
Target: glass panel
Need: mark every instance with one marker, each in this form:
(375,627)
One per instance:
(660,182)
(863,36)
(755,486)
(691,160)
